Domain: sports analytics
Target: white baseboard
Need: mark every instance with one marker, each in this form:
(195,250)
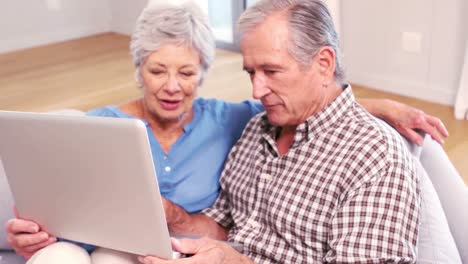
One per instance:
(42,38)
(419,90)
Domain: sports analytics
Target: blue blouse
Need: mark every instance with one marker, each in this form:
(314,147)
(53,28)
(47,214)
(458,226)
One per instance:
(188,174)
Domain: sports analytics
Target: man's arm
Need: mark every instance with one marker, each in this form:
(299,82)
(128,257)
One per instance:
(182,223)
(405,119)
(378,219)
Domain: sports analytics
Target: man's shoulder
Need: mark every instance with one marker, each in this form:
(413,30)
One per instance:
(375,135)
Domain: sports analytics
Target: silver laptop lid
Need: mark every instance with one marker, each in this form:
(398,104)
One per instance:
(88,179)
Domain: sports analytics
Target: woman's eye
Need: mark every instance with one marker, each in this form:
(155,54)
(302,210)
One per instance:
(188,74)
(156,72)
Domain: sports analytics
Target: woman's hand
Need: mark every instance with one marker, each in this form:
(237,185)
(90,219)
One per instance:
(405,119)
(26,238)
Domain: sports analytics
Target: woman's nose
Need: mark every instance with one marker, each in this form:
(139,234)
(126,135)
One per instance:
(172,84)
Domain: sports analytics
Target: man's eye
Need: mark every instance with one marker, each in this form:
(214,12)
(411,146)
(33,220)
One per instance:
(251,73)
(270,72)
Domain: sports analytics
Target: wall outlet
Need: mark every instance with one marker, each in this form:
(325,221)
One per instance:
(54,5)
(411,42)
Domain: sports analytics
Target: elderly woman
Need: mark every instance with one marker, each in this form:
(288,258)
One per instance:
(172,49)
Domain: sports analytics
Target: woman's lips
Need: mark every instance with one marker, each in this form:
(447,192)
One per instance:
(170,104)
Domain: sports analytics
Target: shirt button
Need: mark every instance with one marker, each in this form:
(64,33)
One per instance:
(167,169)
(165,158)
(253,223)
(266,176)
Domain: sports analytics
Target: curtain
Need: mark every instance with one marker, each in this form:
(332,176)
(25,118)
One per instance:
(461,101)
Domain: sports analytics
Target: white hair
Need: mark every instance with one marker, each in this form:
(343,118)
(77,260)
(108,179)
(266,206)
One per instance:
(310,25)
(162,23)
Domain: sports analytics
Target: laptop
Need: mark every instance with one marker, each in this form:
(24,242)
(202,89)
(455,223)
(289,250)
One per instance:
(86,179)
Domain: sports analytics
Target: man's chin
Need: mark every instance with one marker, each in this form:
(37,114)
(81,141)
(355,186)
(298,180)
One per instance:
(275,119)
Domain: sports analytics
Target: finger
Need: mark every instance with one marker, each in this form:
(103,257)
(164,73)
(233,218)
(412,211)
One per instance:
(431,130)
(187,246)
(34,248)
(16,226)
(438,124)
(412,136)
(26,240)
(153,260)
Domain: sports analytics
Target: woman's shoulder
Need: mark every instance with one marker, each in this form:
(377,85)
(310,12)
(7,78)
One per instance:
(106,111)
(223,108)
(231,116)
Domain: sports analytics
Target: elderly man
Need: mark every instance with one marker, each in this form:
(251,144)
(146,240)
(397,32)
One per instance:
(315,178)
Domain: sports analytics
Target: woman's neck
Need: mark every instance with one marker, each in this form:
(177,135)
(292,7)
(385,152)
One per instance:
(165,131)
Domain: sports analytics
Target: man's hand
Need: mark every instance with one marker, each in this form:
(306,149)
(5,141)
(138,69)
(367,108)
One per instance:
(405,119)
(26,238)
(204,250)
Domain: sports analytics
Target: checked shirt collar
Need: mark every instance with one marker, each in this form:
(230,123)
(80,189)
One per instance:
(316,124)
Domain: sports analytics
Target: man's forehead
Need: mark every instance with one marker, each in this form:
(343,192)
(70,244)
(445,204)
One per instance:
(269,36)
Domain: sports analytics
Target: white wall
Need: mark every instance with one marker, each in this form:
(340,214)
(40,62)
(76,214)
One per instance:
(25,24)
(371,35)
(124,14)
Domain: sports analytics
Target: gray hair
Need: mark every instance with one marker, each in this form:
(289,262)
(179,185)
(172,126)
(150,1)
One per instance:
(310,24)
(164,23)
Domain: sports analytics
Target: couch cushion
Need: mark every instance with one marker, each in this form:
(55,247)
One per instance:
(436,243)
(452,192)
(6,207)
(9,257)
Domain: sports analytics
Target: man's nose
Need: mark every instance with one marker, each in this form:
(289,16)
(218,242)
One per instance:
(259,88)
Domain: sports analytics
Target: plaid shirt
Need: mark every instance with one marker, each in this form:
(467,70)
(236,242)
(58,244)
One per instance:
(346,191)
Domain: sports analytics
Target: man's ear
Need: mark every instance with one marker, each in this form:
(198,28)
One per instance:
(326,62)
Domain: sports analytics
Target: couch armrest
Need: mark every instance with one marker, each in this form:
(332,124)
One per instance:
(452,192)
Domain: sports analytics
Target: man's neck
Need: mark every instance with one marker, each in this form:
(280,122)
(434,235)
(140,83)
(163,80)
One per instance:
(285,139)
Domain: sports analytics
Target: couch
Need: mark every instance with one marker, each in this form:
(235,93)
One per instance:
(444,208)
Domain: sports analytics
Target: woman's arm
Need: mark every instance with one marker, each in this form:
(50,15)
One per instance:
(405,119)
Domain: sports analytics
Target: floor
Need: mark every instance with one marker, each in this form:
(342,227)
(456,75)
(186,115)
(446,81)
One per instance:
(97,70)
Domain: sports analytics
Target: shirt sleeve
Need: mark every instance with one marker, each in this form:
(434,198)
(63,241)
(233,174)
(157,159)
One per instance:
(104,111)
(220,211)
(378,221)
(235,116)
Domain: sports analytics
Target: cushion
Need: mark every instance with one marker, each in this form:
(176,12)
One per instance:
(436,243)
(6,207)
(9,257)
(452,192)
